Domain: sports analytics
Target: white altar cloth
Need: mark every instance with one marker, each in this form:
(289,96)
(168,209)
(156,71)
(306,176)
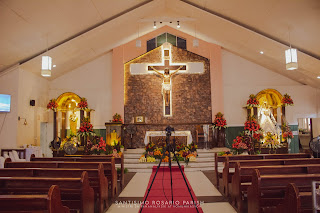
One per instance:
(163,133)
(36,150)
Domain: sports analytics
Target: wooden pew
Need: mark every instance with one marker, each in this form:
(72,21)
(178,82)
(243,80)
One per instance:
(118,160)
(50,203)
(267,191)
(97,179)
(109,168)
(76,193)
(270,160)
(222,159)
(89,158)
(295,201)
(242,178)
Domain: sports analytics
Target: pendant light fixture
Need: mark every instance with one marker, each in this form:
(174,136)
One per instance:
(291,57)
(46,64)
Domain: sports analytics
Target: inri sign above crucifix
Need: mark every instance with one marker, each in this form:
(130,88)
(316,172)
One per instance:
(166,69)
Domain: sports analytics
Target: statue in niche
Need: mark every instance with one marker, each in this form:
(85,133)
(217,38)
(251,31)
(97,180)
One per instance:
(267,121)
(73,123)
(166,84)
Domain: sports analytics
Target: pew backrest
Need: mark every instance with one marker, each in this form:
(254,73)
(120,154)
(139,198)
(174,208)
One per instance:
(50,203)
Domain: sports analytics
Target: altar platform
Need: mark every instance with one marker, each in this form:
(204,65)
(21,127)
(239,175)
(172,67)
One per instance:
(205,160)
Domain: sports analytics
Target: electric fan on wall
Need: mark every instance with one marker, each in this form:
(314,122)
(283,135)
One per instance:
(314,145)
(131,130)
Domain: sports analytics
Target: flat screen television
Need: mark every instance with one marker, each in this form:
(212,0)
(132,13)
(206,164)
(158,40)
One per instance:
(5,102)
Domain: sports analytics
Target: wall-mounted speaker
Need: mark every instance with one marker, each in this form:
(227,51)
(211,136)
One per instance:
(32,102)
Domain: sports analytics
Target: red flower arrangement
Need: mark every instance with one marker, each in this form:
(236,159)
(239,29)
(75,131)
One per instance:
(219,122)
(286,100)
(246,140)
(100,147)
(242,142)
(117,118)
(257,135)
(253,101)
(86,128)
(286,132)
(53,105)
(252,125)
(83,104)
(102,144)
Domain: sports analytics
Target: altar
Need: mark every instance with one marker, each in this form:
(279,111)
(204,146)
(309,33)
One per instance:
(163,133)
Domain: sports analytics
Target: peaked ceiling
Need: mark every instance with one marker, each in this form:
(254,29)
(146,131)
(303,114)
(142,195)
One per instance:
(78,31)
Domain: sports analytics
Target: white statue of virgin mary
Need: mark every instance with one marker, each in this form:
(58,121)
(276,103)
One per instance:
(267,121)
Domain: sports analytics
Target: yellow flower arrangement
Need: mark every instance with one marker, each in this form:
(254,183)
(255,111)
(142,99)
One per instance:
(271,141)
(142,159)
(151,159)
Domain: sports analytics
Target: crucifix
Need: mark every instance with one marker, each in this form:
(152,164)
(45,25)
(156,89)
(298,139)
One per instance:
(166,69)
(166,75)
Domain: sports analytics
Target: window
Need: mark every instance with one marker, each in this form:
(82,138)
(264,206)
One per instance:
(166,37)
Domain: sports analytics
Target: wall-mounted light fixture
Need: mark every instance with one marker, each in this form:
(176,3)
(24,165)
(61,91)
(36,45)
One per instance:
(178,24)
(154,25)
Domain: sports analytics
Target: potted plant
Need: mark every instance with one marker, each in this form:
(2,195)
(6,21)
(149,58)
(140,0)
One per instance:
(121,148)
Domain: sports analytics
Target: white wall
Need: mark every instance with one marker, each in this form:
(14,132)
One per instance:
(242,78)
(31,87)
(8,121)
(92,81)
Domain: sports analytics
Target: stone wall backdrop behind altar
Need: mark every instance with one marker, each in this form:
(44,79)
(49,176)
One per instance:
(191,96)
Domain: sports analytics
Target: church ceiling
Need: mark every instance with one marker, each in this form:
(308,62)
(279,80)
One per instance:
(76,32)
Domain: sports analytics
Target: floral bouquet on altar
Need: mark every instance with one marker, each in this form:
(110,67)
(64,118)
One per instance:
(117,118)
(219,122)
(286,100)
(286,132)
(83,104)
(271,141)
(242,143)
(86,128)
(253,101)
(251,125)
(245,141)
(183,152)
(53,105)
(99,146)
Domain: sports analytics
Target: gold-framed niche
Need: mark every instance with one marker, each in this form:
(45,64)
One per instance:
(68,117)
(272,99)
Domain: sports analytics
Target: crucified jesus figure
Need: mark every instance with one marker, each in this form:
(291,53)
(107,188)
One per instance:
(166,85)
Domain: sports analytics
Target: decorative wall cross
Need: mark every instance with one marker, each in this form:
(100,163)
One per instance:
(166,69)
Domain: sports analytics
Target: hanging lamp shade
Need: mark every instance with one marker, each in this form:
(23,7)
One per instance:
(291,59)
(46,66)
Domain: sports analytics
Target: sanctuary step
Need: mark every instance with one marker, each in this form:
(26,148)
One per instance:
(205,160)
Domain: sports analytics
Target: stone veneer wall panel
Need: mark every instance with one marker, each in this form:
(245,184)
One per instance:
(191,95)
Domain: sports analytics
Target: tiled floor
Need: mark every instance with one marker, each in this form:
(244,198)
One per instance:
(133,193)
(137,186)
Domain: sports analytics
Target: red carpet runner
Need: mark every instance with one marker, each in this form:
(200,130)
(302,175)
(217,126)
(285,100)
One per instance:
(160,200)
